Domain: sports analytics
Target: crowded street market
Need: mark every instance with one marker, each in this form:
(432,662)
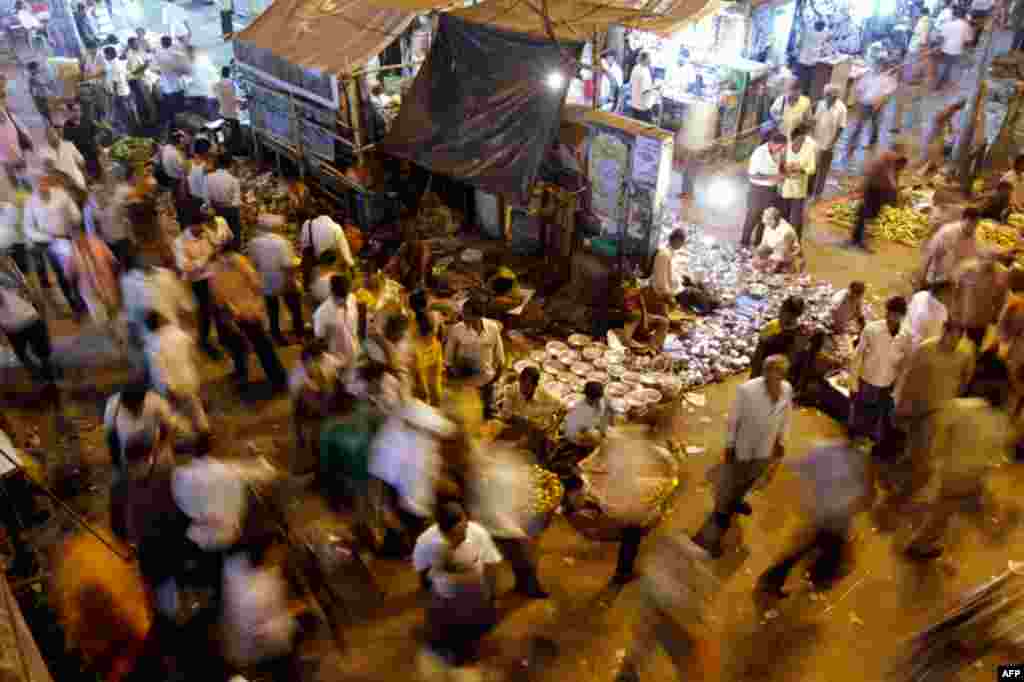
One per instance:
(617,343)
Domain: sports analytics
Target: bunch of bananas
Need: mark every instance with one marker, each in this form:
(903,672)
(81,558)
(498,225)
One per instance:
(844,214)
(547,490)
(1016,221)
(901,225)
(997,234)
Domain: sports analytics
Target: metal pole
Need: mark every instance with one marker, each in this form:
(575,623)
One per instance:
(968,125)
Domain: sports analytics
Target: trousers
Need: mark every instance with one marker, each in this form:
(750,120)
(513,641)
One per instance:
(34,337)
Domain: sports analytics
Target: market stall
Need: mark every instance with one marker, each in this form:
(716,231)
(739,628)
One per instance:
(315,103)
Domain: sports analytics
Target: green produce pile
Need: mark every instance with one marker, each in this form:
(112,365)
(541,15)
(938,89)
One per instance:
(900,225)
(132,149)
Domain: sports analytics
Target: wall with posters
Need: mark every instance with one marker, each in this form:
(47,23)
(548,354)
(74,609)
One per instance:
(62,30)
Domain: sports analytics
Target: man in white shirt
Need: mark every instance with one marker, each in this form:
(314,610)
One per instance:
(138,422)
(170,160)
(153,289)
(955,35)
(50,216)
(790,109)
(173,65)
(829,122)
(812,44)
(611,81)
(115,82)
(175,18)
(454,531)
(323,242)
(874,368)
(274,258)
(224,193)
(136,63)
(171,361)
(194,252)
(476,342)
(27,18)
(337,321)
(587,422)
(109,220)
(756,436)
(65,157)
(227,104)
(927,314)
(26,330)
(953,244)
(873,92)
(764,171)
(644,94)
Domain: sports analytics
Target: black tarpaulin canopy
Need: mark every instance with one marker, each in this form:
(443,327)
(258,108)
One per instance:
(485,107)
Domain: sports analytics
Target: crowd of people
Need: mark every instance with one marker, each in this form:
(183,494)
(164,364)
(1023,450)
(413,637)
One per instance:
(392,390)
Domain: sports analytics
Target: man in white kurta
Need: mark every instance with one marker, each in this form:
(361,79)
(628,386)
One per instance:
(755,437)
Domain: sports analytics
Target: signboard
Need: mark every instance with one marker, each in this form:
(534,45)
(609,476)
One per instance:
(270,112)
(62,31)
(315,85)
(316,141)
(609,157)
(646,161)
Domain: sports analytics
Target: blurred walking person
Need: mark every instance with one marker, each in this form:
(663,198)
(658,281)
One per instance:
(758,424)
(829,123)
(834,477)
(50,215)
(881,188)
(274,258)
(678,586)
(173,371)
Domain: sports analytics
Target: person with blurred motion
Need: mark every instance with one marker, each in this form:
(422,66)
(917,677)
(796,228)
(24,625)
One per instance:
(764,172)
(677,586)
(873,90)
(194,254)
(954,35)
(881,188)
(110,220)
(25,328)
(314,385)
(499,490)
(173,372)
(874,369)
(137,63)
(951,245)
(969,438)
(237,291)
(979,293)
(140,428)
(337,321)
(426,331)
(833,475)
(14,137)
(756,436)
(829,123)
(322,242)
(274,258)
(477,340)
(939,370)
(195,195)
(173,66)
(228,106)
(92,270)
(65,158)
(50,215)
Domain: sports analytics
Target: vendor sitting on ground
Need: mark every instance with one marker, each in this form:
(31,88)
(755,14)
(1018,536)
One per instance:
(530,411)
(673,285)
(779,250)
(411,265)
(847,319)
(999,205)
(583,429)
(378,299)
(642,328)
(506,293)
(781,336)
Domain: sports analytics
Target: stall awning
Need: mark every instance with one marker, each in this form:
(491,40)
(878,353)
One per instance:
(335,37)
(485,107)
(578,20)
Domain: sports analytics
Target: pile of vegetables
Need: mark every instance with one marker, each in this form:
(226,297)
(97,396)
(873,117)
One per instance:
(997,234)
(897,224)
(132,150)
(547,490)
